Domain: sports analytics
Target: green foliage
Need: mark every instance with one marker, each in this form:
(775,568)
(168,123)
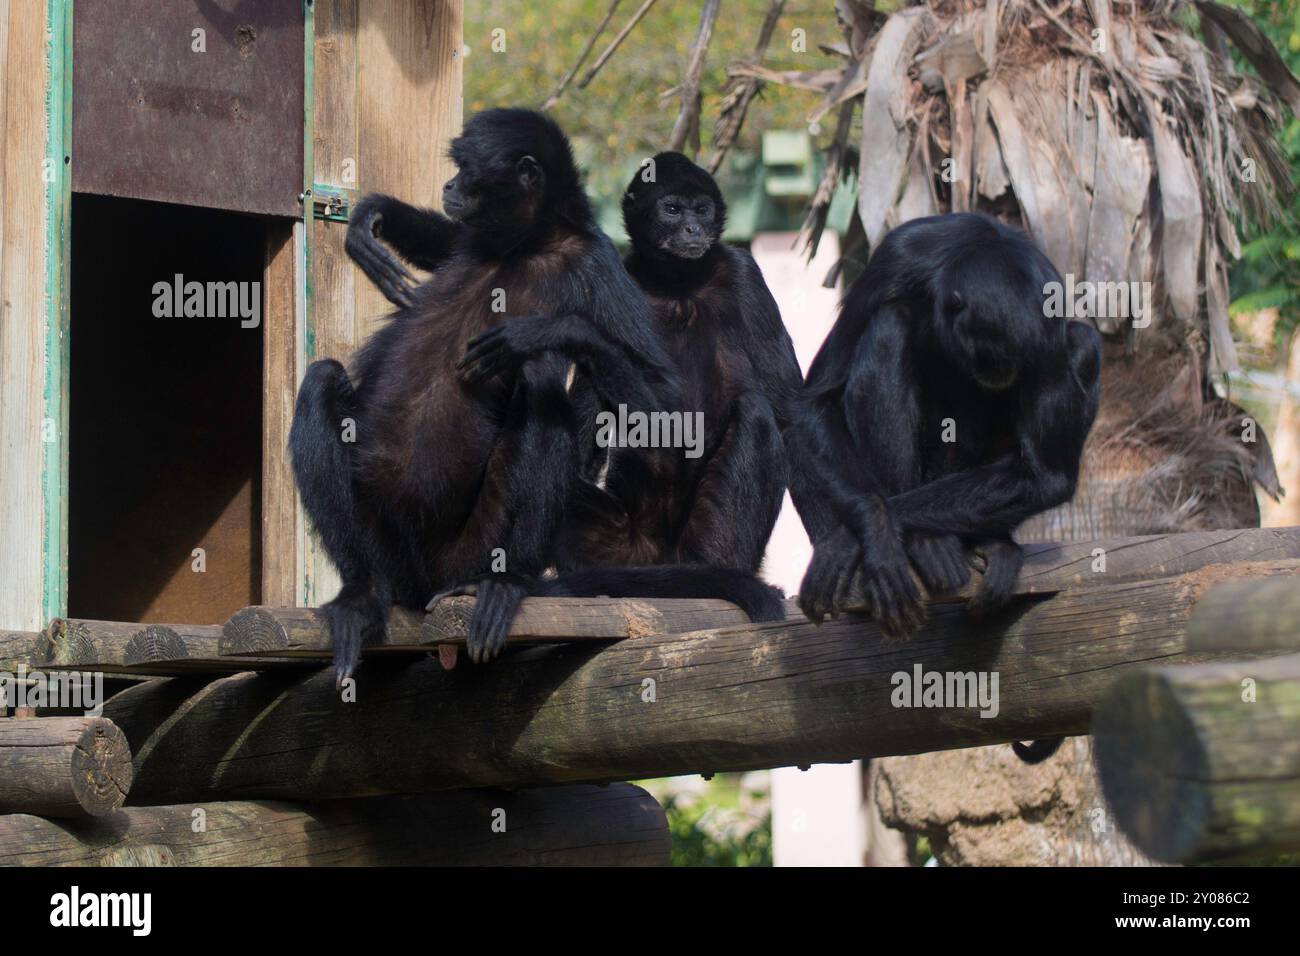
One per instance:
(698,843)
(619,118)
(1268,275)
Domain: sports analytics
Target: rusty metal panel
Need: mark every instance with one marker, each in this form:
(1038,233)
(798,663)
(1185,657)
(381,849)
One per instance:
(155,118)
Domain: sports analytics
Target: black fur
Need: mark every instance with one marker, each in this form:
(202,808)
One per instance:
(443,471)
(947,322)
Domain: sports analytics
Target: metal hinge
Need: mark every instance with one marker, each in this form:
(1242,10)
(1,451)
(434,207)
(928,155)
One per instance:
(331,202)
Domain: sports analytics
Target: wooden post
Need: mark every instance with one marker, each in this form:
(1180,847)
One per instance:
(619,825)
(63,766)
(734,698)
(1253,614)
(1202,762)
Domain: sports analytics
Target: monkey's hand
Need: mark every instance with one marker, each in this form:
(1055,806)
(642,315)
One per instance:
(502,349)
(939,559)
(887,579)
(836,557)
(381,267)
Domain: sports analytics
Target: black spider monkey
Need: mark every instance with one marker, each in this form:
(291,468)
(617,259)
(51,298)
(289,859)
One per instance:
(946,330)
(722,328)
(448,467)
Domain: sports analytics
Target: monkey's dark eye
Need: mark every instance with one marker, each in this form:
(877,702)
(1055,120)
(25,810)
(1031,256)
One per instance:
(673,209)
(955,302)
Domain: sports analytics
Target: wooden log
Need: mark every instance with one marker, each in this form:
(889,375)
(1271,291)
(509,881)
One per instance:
(1247,616)
(299,632)
(553,620)
(1202,762)
(1049,568)
(619,825)
(63,766)
(115,647)
(736,698)
(20,649)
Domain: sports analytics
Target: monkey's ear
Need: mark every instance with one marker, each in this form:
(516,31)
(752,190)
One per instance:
(529,171)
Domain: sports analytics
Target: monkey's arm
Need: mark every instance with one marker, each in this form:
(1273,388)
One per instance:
(422,237)
(616,374)
(1058,406)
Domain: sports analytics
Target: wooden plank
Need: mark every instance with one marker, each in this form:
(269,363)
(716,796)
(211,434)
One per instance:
(219,127)
(24,70)
(1248,616)
(63,766)
(1202,762)
(299,633)
(336,134)
(619,825)
(279,387)
(736,698)
(1049,568)
(21,649)
(114,647)
(408,110)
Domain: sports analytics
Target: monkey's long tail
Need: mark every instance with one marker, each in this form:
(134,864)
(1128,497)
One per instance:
(762,602)
(1036,751)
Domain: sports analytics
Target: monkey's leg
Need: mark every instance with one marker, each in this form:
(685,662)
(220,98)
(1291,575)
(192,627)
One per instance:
(322,466)
(738,497)
(530,477)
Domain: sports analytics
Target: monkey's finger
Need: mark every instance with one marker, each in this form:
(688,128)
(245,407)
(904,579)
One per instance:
(844,586)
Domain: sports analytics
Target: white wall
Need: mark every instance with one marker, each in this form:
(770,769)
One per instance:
(817,816)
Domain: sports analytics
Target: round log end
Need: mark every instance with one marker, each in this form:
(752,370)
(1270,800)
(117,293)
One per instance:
(254,630)
(1152,766)
(448,620)
(154,643)
(101,767)
(69,642)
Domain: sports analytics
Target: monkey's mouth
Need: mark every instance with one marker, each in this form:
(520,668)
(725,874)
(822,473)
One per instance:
(996,378)
(686,248)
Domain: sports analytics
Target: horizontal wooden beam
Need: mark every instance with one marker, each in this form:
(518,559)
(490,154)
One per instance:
(619,825)
(733,698)
(1260,614)
(63,766)
(1202,762)
(115,647)
(1049,568)
(299,632)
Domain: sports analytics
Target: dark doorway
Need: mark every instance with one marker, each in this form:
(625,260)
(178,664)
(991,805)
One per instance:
(165,413)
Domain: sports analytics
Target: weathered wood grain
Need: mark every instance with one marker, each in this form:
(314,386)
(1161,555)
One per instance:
(63,766)
(1248,615)
(298,632)
(734,698)
(619,825)
(1202,762)
(115,647)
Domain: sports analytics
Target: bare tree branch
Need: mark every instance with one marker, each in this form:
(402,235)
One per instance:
(582,58)
(740,92)
(687,127)
(615,43)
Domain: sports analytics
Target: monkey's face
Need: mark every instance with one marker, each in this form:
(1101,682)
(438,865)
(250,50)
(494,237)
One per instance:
(989,321)
(480,195)
(686,226)
(457,199)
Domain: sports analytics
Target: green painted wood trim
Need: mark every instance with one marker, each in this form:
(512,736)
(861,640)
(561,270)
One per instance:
(308,583)
(308,165)
(58,200)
